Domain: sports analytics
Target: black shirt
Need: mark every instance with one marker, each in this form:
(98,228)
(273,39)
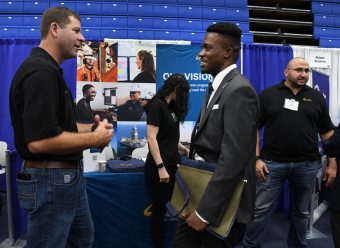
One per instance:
(84,111)
(292,136)
(144,77)
(41,105)
(130,111)
(159,114)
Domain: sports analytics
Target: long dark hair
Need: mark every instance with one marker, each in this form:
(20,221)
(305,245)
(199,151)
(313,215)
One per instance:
(181,106)
(148,62)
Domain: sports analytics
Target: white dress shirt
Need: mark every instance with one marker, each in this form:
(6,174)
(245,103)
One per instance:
(216,83)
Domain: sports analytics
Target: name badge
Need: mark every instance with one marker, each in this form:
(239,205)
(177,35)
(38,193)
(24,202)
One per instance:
(291,104)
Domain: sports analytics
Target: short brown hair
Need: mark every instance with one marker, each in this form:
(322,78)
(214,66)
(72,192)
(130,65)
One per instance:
(59,15)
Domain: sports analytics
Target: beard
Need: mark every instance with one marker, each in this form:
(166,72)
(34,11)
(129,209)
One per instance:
(295,83)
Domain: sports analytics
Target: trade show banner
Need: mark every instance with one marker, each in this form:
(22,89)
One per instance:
(183,59)
(321,83)
(116,81)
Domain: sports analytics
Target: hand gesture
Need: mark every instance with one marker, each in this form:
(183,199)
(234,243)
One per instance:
(330,173)
(260,167)
(187,151)
(97,122)
(104,134)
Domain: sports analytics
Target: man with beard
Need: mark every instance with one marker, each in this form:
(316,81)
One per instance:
(293,114)
(88,72)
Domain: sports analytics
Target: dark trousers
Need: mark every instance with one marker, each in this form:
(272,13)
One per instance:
(186,237)
(335,225)
(160,195)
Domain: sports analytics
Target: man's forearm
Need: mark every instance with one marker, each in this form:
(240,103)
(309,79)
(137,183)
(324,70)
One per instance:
(331,161)
(64,143)
(258,143)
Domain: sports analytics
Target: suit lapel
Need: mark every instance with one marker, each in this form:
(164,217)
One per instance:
(225,82)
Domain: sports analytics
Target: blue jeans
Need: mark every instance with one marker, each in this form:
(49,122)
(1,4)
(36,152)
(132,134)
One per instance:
(302,177)
(58,211)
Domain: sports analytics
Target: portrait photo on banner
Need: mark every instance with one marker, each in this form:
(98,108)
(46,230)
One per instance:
(132,100)
(137,63)
(96,98)
(97,62)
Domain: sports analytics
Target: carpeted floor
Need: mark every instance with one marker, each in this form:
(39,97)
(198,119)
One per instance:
(277,231)
(275,235)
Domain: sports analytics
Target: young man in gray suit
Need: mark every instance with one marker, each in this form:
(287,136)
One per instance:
(225,134)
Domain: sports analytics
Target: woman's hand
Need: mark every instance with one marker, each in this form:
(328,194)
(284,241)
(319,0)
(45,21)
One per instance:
(163,175)
(187,151)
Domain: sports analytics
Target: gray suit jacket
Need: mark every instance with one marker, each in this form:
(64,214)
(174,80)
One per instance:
(331,147)
(227,136)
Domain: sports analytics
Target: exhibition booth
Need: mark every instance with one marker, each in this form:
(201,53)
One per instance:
(120,203)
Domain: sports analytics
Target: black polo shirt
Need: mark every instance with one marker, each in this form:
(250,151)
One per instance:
(292,136)
(41,105)
(159,114)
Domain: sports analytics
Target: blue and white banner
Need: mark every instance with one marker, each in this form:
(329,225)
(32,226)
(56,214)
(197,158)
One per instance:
(321,83)
(183,59)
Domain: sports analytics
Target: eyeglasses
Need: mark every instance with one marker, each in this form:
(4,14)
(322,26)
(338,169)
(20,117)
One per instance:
(143,99)
(300,70)
(133,92)
(91,92)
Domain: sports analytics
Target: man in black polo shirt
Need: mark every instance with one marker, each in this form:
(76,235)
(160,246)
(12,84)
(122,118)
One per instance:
(51,186)
(293,114)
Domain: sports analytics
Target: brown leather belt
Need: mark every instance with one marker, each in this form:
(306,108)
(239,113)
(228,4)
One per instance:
(53,164)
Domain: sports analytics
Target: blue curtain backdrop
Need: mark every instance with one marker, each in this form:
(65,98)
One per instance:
(263,65)
(13,53)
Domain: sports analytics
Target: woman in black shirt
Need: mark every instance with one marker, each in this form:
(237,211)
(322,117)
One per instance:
(146,63)
(165,111)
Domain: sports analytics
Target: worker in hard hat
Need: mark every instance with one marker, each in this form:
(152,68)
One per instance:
(132,109)
(88,72)
(147,94)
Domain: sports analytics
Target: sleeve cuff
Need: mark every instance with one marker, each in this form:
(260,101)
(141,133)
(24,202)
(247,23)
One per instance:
(206,222)
(43,134)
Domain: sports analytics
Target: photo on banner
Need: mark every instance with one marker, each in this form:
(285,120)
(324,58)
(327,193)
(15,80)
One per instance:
(88,62)
(109,61)
(137,63)
(132,135)
(96,98)
(130,104)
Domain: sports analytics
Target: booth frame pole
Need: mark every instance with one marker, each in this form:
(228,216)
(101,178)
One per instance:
(9,199)
(242,58)
(313,233)
(311,213)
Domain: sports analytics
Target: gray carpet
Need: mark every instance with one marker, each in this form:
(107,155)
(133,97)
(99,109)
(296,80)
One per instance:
(277,231)
(275,235)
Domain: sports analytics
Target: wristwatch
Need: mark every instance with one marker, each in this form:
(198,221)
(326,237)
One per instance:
(161,165)
(258,157)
